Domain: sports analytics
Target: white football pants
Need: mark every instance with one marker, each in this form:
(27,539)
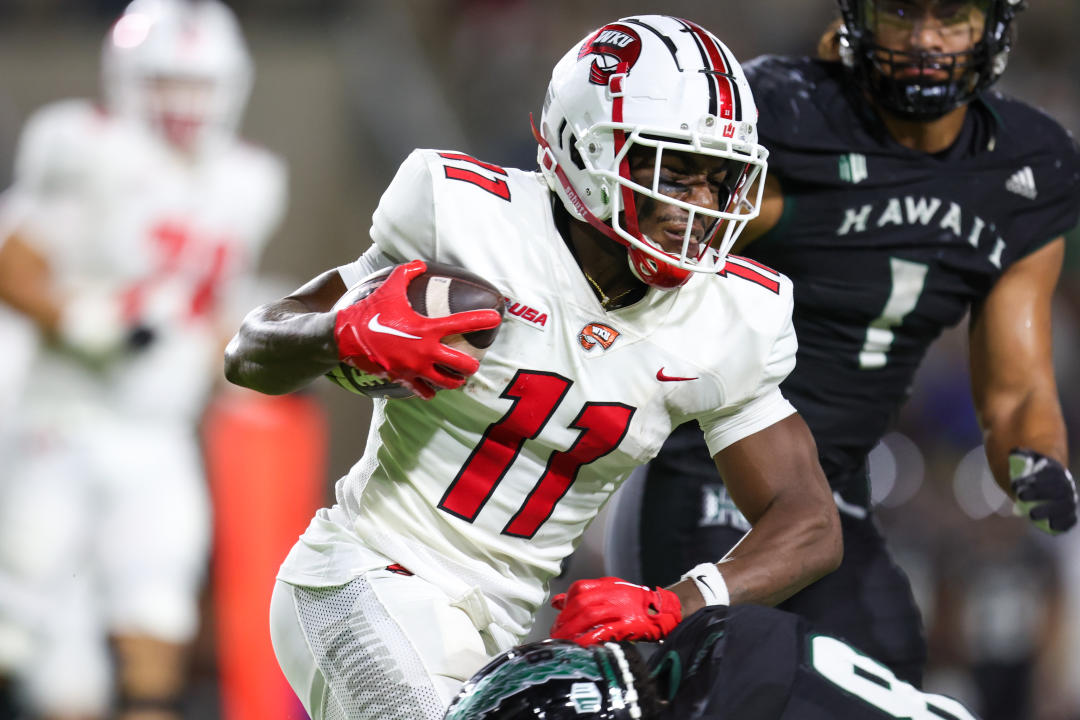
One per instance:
(104,530)
(385,646)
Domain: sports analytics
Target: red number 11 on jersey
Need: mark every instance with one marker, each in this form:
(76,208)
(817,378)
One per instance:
(536,395)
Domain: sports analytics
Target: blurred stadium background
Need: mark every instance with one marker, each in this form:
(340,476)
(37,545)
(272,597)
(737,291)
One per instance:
(345,88)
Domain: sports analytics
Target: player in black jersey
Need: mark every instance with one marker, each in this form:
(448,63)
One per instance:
(901,195)
(747,662)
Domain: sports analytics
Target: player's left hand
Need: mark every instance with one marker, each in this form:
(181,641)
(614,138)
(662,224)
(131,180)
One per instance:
(612,609)
(1045,490)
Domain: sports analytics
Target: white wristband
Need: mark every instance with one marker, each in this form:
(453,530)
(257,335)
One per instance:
(710,583)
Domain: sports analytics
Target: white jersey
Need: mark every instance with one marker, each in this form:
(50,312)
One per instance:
(118,213)
(489,487)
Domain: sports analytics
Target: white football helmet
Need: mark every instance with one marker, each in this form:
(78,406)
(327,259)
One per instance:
(669,85)
(182,67)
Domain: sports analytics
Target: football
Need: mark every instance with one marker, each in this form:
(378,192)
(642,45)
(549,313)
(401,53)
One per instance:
(439,291)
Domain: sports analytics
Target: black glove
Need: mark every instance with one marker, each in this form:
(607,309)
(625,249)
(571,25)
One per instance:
(1045,490)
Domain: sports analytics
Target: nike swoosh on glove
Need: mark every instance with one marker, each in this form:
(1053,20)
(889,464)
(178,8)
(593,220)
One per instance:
(1045,490)
(612,609)
(384,336)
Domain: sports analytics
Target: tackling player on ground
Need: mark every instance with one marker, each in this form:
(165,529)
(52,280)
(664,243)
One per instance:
(447,531)
(740,663)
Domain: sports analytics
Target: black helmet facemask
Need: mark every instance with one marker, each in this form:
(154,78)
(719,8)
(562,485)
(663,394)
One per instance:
(926,84)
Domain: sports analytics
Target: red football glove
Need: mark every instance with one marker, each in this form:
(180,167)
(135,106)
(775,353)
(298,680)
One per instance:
(595,611)
(384,336)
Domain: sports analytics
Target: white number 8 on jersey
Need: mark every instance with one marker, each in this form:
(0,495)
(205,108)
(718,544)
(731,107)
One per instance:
(874,683)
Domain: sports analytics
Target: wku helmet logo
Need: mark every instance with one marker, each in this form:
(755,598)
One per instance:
(595,334)
(614,45)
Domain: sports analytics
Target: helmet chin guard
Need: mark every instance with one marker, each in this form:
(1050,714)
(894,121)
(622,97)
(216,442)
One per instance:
(664,85)
(654,272)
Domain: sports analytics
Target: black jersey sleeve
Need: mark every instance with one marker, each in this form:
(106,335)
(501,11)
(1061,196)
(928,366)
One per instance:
(758,663)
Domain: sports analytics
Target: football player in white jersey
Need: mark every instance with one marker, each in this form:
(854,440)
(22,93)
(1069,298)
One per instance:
(625,317)
(131,226)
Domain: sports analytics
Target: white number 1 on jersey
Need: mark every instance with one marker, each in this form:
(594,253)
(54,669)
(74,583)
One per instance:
(908,280)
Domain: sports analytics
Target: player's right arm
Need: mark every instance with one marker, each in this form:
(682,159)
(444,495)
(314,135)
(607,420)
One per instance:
(775,479)
(283,345)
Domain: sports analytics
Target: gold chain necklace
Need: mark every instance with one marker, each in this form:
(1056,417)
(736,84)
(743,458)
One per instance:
(605,301)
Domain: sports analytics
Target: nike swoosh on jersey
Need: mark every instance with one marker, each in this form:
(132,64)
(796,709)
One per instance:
(375,326)
(670,378)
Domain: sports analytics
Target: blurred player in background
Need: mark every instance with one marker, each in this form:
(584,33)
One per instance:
(741,663)
(446,532)
(129,224)
(902,194)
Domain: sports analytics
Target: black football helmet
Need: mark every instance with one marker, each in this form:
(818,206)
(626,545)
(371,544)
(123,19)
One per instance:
(552,680)
(900,81)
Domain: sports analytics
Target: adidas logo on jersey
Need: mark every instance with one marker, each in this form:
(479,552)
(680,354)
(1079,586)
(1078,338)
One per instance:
(1022,182)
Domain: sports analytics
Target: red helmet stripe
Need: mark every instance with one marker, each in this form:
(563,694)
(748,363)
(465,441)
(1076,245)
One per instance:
(722,88)
(624,165)
(736,98)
